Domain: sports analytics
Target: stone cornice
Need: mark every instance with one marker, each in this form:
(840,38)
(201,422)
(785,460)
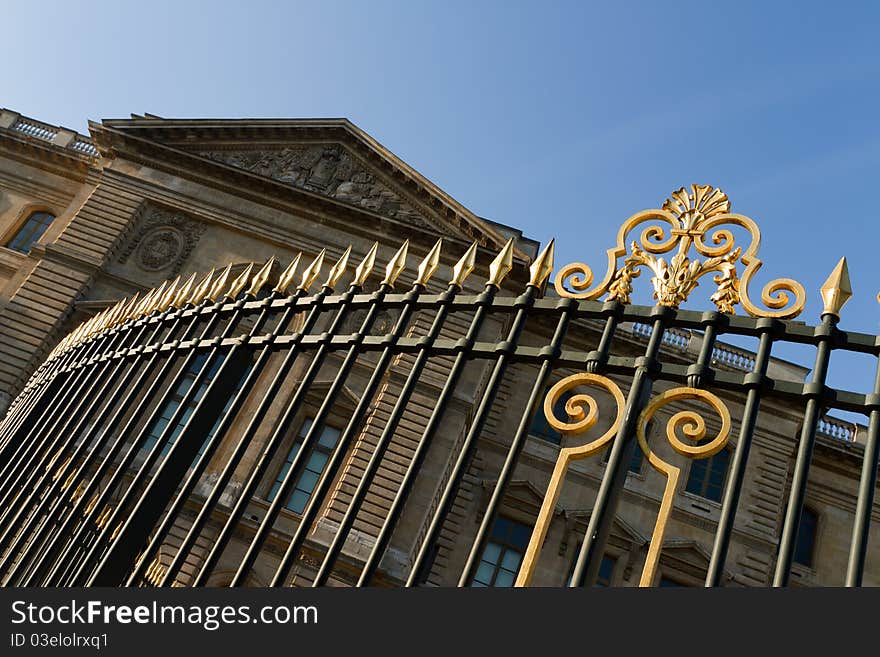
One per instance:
(45,155)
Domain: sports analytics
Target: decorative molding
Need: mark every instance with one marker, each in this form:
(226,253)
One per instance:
(329,170)
(162,239)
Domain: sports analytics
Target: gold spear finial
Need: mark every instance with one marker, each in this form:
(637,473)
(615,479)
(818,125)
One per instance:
(312,272)
(287,276)
(463,268)
(837,290)
(543,265)
(201,291)
(183,293)
(131,307)
(240,281)
(396,265)
(170,292)
(261,277)
(219,286)
(152,299)
(362,271)
(337,270)
(501,265)
(428,266)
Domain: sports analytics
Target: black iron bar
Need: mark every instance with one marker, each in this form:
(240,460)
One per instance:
(247,435)
(551,352)
(279,432)
(309,440)
(608,497)
(482,303)
(424,558)
(43,546)
(815,392)
(865,502)
(80,443)
(351,429)
(754,382)
(391,424)
(138,509)
(155,387)
(223,423)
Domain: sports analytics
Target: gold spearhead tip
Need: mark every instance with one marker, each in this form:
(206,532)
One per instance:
(240,281)
(168,298)
(286,277)
(837,290)
(261,277)
(429,265)
(362,271)
(464,266)
(182,295)
(312,272)
(202,289)
(396,265)
(337,270)
(219,286)
(543,265)
(502,265)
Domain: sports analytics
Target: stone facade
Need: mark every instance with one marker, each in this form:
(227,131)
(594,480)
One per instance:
(145,199)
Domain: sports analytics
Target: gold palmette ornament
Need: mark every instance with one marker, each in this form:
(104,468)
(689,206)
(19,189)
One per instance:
(362,271)
(502,265)
(218,288)
(543,265)
(396,265)
(701,219)
(429,264)
(239,283)
(311,273)
(261,277)
(837,290)
(287,276)
(337,270)
(465,265)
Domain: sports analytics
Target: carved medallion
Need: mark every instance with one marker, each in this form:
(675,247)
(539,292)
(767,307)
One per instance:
(162,239)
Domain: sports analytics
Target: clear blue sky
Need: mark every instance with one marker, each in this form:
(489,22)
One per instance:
(560,118)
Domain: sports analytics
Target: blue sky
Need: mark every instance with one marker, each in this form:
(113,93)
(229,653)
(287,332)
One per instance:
(560,118)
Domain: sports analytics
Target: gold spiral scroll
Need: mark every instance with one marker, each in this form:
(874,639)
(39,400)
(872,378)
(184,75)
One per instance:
(581,421)
(691,425)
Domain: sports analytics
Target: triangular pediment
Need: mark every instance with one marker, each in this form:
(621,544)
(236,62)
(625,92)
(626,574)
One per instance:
(331,158)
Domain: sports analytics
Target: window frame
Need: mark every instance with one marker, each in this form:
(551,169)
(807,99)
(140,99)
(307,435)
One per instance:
(23,216)
(506,545)
(727,449)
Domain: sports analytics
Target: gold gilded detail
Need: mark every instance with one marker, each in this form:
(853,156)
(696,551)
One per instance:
(693,426)
(337,270)
(261,277)
(287,276)
(312,272)
(700,219)
(201,290)
(837,290)
(362,271)
(396,265)
(183,293)
(239,283)
(502,265)
(465,265)
(428,266)
(219,286)
(583,413)
(543,265)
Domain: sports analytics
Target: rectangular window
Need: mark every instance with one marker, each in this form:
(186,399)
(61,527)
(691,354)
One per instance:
(30,231)
(503,553)
(311,471)
(606,569)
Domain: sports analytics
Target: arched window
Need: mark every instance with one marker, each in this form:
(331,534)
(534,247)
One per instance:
(805,543)
(30,231)
(706,477)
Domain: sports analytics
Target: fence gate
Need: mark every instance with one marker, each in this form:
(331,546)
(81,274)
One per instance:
(246,428)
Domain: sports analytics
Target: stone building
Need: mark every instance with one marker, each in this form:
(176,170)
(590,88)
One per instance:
(88,220)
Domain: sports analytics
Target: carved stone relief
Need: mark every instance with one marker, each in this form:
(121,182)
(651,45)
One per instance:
(327,169)
(162,240)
